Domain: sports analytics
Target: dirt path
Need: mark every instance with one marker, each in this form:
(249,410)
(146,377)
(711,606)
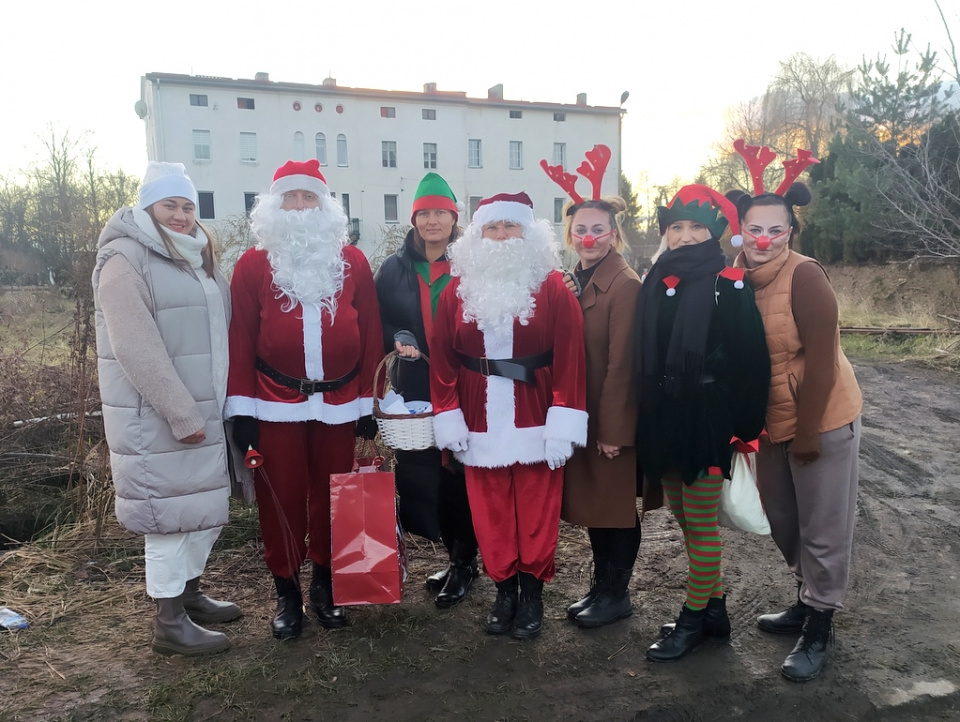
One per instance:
(897,652)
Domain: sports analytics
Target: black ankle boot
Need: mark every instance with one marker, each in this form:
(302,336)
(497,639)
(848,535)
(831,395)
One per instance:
(685,637)
(599,567)
(321,599)
(460,575)
(808,656)
(716,623)
(612,601)
(288,619)
(504,611)
(436,581)
(789,621)
(529,619)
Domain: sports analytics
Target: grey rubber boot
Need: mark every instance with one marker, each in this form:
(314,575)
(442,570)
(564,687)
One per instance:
(175,633)
(202,608)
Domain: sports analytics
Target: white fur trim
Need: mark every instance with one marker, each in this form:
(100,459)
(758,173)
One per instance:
(312,340)
(504,445)
(503,211)
(299,183)
(566,424)
(449,427)
(313,409)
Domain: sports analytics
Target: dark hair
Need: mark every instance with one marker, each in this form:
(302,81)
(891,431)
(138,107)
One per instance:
(797,195)
(613,206)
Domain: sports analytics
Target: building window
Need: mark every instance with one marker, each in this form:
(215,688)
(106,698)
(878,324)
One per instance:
(516,155)
(321,142)
(558,204)
(388,111)
(390,205)
(201,145)
(474,204)
(342,150)
(248,200)
(248,147)
(560,117)
(198,100)
(475,159)
(516,113)
(298,146)
(245,103)
(560,154)
(428,114)
(205,205)
(388,152)
(345,201)
(429,155)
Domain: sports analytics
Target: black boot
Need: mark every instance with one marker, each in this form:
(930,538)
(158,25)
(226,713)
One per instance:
(460,575)
(599,567)
(501,616)
(436,581)
(321,599)
(716,623)
(612,601)
(529,619)
(789,621)
(808,656)
(685,637)
(288,619)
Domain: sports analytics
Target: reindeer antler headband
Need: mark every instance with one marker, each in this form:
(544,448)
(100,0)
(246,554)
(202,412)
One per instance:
(758,158)
(592,169)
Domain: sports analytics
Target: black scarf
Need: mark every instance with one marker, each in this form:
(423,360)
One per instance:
(697,267)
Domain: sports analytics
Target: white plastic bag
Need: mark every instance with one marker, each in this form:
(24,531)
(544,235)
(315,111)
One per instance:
(740,503)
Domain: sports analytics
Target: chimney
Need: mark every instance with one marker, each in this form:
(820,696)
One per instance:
(581,98)
(429,87)
(262,77)
(496,92)
(330,82)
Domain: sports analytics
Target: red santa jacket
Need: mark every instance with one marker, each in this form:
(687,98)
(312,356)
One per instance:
(507,422)
(302,343)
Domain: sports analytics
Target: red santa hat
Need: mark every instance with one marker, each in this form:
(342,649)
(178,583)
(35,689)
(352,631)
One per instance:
(299,176)
(516,207)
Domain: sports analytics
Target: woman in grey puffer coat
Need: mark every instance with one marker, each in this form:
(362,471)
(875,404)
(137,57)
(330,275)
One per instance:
(162,310)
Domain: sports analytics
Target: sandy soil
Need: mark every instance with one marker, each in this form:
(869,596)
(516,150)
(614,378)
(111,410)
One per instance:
(896,655)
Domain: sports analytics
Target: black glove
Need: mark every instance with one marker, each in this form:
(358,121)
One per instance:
(246,432)
(367,428)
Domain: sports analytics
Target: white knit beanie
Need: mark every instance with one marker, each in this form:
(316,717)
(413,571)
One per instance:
(165,180)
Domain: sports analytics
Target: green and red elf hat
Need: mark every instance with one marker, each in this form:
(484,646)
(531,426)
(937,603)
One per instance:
(434,192)
(704,205)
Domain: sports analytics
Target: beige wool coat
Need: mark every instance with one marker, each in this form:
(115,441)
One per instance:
(597,491)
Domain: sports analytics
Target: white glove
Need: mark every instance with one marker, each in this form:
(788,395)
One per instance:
(451,430)
(458,444)
(557,452)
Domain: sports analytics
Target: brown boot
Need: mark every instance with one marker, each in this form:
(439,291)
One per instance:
(202,608)
(175,633)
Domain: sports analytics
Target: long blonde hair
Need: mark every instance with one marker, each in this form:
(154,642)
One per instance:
(208,254)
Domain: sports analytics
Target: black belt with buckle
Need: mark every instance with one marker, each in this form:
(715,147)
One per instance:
(307,387)
(520,368)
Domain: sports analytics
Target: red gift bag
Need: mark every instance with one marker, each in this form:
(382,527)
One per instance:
(368,560)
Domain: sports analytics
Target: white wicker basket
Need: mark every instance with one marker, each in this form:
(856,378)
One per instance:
(407,432)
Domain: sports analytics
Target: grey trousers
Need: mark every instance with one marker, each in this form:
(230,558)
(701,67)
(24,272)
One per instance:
(812,510)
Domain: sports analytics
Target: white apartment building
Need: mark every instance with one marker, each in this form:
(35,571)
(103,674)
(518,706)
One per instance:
(374,146)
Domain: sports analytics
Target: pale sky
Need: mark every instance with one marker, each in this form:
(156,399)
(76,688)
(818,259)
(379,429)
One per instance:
(78,64)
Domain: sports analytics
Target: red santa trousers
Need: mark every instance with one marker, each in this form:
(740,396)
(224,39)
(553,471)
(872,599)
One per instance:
(293,489)
(516,514)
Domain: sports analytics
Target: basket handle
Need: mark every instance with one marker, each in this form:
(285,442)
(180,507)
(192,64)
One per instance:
(386,381)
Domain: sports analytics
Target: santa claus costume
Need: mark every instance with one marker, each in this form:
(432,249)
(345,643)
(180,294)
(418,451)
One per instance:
(305,340)
(508,389)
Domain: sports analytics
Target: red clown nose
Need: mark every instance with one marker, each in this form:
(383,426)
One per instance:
(253,459)
(763,242)
(589,241)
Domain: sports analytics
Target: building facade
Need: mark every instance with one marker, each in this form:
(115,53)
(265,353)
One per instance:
(374,146)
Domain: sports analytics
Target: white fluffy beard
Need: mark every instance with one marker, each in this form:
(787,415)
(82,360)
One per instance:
(305,250)
(498,279)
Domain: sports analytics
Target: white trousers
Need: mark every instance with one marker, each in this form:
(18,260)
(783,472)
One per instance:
(173,559)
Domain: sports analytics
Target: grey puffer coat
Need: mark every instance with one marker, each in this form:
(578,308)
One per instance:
(157,384)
